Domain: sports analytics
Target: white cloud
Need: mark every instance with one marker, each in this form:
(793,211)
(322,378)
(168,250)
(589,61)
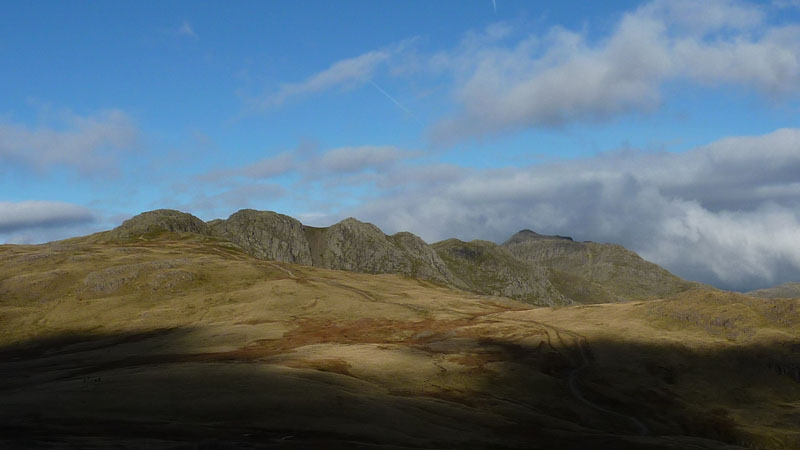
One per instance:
(562,76)
(89,144)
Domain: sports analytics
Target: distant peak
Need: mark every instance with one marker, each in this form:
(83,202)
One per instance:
(530,235)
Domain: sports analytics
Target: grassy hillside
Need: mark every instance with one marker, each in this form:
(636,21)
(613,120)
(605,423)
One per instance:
(786,290)
(489,269)
(185,341)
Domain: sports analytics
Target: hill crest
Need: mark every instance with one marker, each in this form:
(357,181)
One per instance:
(531,267)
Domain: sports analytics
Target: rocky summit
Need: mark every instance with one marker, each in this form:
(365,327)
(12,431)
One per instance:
(265,235)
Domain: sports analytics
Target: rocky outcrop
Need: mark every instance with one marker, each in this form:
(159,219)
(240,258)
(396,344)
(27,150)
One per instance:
(490,269)
(160,220)
(425,262)
(606,270)
(265,235)
(362,247)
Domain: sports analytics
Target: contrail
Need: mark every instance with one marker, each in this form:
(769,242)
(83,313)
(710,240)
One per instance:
(399,105)
(494,5)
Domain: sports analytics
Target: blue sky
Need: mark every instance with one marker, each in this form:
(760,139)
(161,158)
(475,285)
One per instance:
(670,127)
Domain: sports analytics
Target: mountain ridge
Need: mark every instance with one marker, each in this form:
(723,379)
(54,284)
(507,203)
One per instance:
(531,267)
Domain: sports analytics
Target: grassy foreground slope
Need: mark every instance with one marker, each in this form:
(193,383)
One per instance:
(184,341)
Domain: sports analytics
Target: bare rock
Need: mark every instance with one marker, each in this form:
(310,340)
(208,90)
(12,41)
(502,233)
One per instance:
(265,235)
(362,247)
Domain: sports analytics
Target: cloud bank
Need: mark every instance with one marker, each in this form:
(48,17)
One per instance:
(41,221)
(726,214)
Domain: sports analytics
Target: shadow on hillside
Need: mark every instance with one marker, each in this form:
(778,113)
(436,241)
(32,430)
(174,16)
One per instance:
(133,391)
(746,395)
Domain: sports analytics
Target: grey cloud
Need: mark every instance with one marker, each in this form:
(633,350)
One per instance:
(89,144)
(355,159)
(560,77)
(41,214)
(673,208)
(41,221)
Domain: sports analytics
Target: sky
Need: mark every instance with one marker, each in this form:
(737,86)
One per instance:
(669,127)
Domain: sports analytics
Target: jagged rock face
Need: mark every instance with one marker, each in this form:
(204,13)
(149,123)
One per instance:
(158,221)
(490,269)
(265,235)
(355,246)
(425,262)
(362,247)
(606,270)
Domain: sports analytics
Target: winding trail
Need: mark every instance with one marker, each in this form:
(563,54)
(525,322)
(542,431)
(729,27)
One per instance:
(574,386)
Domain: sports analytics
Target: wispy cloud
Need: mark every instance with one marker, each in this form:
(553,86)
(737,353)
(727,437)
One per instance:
(308,164)
(331,178)
(186,30)
(90,144)
(346,73)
